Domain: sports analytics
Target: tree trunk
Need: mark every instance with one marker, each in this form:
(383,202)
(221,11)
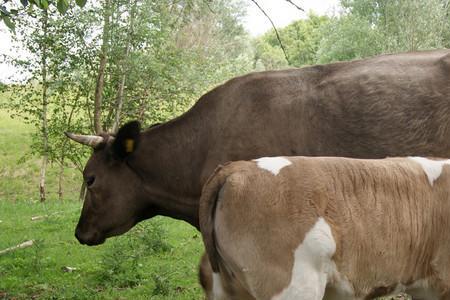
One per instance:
(119,99)
(64,145)
(101,69)
(42,193)
(60,178)
(142,106)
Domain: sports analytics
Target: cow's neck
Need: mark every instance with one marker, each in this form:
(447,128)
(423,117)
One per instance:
(170,163)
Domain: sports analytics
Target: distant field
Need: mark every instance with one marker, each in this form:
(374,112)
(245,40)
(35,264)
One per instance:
(156,260)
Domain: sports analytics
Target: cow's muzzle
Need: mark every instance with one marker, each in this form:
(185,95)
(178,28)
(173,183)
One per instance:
(87,238)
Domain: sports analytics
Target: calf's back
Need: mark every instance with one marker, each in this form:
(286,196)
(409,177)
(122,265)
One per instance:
(287,228)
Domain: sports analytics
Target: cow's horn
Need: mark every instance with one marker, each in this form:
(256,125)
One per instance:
(88,140)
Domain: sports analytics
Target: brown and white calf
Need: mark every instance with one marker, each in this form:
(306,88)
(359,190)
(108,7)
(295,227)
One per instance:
(328,228)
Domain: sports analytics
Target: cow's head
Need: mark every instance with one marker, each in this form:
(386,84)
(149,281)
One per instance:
(114,197)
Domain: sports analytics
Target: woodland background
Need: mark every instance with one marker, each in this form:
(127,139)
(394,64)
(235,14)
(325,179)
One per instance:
(91,66)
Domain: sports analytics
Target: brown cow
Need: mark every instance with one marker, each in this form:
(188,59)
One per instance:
(314,228)
(390,105)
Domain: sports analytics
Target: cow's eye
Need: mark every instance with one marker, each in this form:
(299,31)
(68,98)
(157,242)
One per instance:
(90,181)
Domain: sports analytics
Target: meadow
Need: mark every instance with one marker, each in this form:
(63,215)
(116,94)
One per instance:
(157,259)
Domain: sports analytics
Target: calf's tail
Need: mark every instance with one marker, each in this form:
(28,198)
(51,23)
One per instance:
(208,203)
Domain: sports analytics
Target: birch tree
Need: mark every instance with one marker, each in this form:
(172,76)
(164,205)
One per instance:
(44,54)
(101,67)
(124,64)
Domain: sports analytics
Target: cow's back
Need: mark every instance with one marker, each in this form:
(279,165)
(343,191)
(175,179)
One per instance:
(390,105)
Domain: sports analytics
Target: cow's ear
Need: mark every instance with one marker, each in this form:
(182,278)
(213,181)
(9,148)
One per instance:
(127,139)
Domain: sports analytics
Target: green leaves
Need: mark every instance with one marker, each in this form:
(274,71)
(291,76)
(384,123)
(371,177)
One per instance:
(6,17)
(300,38)
(43,4)
(8,22)
(372,27)
(81,3)
(63,6)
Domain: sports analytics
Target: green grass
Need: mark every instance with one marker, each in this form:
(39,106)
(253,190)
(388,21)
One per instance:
(156,260)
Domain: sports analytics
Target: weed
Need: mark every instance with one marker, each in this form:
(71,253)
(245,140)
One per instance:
(162,284)
(37,256)
(153,236)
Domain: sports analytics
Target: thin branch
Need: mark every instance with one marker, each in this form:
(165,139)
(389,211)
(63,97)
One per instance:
(209,7)
(274,28)
(20,246)
(298,7)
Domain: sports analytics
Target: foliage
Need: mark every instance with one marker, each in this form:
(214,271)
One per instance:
(9,13)
(370,27)
(67,85)
(169,66)
(346,38)
(162,59)
(301,40)
(363,28)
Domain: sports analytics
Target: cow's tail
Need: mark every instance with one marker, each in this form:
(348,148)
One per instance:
(208,203)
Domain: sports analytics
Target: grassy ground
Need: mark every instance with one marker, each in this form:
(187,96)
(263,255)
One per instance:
(157,260)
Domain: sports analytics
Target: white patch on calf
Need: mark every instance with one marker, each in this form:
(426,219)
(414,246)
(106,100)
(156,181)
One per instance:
(433,168)
(272,164)
(313,266)
(217,289)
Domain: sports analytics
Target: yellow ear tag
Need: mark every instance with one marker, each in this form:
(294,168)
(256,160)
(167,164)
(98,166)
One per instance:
(129,145)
